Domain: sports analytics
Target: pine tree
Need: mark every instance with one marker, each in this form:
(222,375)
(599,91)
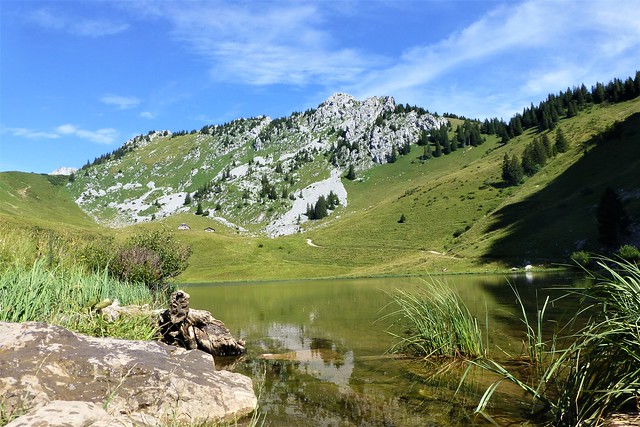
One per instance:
(351,175)
(199,209)
(393,156)
(512,172)
(546,143)
(187,199)
(528,164)
(438,151)
(561,142)
(320,209)
(539,153)
(504,135)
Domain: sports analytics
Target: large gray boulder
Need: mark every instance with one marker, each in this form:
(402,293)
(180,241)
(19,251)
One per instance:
(41,363)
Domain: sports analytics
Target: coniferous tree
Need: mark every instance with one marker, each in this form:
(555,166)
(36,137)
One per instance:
(546,143)
(351,175)
(187,199)
(426,154)
(539,153)
(528,163)
(504,135)
(394,155)
(561,142)
(512,172)
(438,151)
(320,209)
(199,210)
(572,109)
(444,140)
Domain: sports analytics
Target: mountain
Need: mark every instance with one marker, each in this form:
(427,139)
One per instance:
(405,212)
(64,171)
(258,174)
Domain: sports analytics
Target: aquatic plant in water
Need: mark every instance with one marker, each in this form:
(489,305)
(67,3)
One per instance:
(598,373)
(436,323)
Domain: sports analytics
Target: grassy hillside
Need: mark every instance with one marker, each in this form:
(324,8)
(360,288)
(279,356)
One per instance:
(459,215)
(42,200)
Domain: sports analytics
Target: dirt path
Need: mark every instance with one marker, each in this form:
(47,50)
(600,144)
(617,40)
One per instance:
(310,243)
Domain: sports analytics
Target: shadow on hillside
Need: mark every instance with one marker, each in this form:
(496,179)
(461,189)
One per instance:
(560,218)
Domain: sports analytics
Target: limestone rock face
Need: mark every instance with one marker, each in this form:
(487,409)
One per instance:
(41,363)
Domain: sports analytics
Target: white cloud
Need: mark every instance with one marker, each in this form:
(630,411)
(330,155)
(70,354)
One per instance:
(522,50)
(99,136)
(148,115)
(121,102)
(66,129)
(76,25)
(29,133)
(261,43)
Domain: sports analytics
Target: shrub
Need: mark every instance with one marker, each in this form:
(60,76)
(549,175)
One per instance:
(629,253)
(152,257)
(582,258)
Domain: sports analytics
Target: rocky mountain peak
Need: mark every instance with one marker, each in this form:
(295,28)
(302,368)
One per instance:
(258,174)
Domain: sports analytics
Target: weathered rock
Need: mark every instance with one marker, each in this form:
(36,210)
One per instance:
(40,363)
(191,329)
(63,413)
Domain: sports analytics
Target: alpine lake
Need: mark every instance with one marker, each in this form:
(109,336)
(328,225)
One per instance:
(318,349)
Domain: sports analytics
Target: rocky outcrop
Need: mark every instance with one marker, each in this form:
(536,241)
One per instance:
(291,153)
(136,382)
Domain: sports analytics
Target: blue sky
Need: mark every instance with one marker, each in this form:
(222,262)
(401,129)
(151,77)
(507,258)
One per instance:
(78,78)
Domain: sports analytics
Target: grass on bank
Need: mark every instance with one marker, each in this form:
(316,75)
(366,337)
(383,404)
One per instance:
(65,296)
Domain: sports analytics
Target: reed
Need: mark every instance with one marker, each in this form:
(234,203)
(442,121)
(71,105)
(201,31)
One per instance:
(436,323)
(598,372)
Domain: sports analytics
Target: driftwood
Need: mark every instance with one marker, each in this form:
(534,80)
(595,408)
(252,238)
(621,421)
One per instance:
(184,327)
(191,329)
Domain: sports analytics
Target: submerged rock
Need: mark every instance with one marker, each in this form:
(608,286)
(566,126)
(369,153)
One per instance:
(131,380)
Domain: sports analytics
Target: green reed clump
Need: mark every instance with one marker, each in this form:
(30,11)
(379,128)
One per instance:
(598,372)
(436,322)
(59,295)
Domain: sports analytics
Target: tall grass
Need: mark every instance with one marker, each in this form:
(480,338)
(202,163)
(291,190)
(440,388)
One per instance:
(598,372)
(65,296)
(436,323)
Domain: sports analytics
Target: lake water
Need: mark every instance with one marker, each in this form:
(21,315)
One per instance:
(317,349)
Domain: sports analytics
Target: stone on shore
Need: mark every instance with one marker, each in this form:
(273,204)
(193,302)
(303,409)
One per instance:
(143,381)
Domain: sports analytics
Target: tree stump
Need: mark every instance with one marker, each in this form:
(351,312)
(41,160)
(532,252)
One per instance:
(196,329)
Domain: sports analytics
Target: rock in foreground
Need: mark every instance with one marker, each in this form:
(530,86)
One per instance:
(41,363)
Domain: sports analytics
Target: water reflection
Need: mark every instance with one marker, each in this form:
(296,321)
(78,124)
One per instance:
(317,348)
(318,357)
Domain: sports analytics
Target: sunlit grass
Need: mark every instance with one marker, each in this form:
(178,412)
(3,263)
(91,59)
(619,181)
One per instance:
(64,296)
(435,323)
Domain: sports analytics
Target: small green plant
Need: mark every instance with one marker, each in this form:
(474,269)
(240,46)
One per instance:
(629,253)
(597,373)
(582,258)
